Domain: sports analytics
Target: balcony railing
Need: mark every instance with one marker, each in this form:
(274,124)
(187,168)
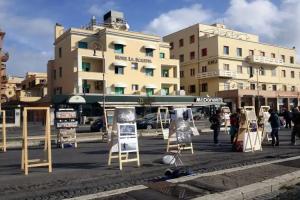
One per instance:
(265,60)
(214,74)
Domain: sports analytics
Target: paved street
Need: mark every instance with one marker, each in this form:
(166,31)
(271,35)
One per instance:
(84,170)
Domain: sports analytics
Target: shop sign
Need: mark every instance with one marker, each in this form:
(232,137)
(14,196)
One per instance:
(209,99)
(131,59)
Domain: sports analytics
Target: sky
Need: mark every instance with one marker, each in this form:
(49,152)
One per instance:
(29,25)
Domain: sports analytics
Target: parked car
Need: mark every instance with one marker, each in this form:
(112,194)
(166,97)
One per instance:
(148,123)
(97,125)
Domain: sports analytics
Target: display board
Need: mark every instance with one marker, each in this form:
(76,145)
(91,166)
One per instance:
(163,119)
(248,133)
(109,122)
(46,161)
(225,114)
(66,123)
(187,114)
(3,144)
(266,126)
(124,138)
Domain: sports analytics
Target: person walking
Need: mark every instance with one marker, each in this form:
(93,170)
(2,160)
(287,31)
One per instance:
(275,124)
(287,115)
(215,121)
(234,125)
(296,128)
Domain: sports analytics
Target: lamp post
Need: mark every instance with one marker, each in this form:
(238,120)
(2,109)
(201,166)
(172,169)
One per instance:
(258,70)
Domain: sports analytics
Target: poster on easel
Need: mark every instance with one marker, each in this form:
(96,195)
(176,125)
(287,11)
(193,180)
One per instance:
(109,122)
(266,126)
(225,113)
(124,137)
(248,134)
(163,119)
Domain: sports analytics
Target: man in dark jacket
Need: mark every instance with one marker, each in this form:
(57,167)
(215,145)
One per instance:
(275,124)
(287,115)
(215,121)
(296,128)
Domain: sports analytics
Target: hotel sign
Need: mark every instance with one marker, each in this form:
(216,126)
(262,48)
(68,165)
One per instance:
(131,59)
(209,99)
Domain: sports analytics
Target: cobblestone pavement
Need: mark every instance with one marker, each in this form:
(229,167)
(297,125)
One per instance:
(84,170)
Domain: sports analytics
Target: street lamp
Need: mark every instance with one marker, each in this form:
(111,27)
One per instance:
(258,71)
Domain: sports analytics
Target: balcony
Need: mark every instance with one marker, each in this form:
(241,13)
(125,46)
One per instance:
(29,96)
(265,60)
(215,74)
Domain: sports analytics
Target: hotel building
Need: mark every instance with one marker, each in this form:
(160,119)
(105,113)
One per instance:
(108,58)
(217,61)
(3,59)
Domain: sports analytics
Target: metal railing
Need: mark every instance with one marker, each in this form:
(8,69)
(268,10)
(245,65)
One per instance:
(213,74)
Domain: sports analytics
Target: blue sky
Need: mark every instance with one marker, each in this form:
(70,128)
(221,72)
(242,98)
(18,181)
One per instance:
(29,24)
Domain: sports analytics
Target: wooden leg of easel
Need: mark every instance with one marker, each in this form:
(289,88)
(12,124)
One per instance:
(192,149)
(23,156)
(168,145)
(127,155)
(138,158)
(4,130)
(109,158)
(120,160)
(49,140)
(26,156)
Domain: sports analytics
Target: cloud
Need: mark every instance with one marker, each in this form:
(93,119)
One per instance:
(99,10)
(27,39)
(177,19)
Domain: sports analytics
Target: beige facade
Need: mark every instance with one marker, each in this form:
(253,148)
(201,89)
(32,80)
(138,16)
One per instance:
(33,87)
(109,58)
(3,59)
(13,88)
(216,61)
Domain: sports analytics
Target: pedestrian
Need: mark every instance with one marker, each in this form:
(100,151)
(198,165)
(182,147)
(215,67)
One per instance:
(234,125)
(287,115)
(215,121)
(275,124)
(296,128)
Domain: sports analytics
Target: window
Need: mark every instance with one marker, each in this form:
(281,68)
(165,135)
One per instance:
(251,52)
(149,52)
(284,88)
(239,52)
(119,70)
(192,39)
(204,52)
(204,87)
(59,90)
(273,55)
(171,45)
(119,48)
(181,87)
(226,67)
(292,74)
(162,55)
(252,86)
(149,91)
(264,87)
(240,86)
(192,89)
(273,72)
(292,60)
(181,74)
(149,72)
(83,45)
(293,88)
(274,87)
(134,66)
(59,52)
(181,58)
(99,85)
(86,87)
(192,72)
(119,90)
(262,71)
(226,50)
(226,86)
(239,69)
(204,69)
(165,91)
(60,71)
(192,55)
(181,43)
(283,73)
(283,58)
(134,87)
(262,53)
(86,67)
(54,74)
(165,73)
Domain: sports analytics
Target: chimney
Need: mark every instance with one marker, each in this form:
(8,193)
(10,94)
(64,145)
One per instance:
(59,30)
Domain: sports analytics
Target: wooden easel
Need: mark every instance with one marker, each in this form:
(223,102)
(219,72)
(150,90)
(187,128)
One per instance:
(47,161)
(116,151)
(248,120)
(263,113)
(226,113)
(108,126)
(3,145)
(163,121)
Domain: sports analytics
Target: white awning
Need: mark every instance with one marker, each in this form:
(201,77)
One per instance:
(150,86)
(120,63)
(121,85)
(76,99)
(121,42)
(149,66)
(149,46)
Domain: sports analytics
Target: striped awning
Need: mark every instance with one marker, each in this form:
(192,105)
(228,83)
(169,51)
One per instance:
(120,63)
(121,42)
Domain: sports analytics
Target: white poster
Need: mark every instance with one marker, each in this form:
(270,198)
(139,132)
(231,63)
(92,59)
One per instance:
(127,133)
